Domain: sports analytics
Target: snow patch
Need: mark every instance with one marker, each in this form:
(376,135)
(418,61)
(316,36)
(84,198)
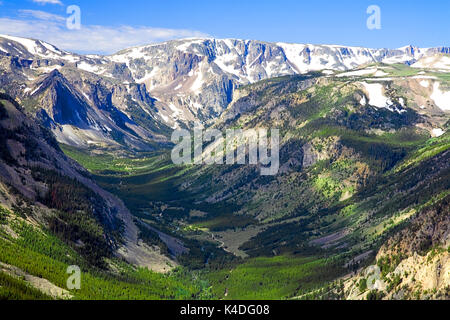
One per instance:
(175,110)
(87,67)
(186,45)
(48,69)
(437,132)
(440,98)
(197,105)
(376,96)
(380,73)
(357,73)
(379,79)
(363,101)
(35,90)
(30,45)
(424,83)
(198,83)
(165,118)
(435,62)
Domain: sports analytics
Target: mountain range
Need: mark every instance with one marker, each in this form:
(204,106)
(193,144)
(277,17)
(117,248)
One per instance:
(131,97)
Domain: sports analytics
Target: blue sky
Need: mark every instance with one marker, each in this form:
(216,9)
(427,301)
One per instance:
(108,26)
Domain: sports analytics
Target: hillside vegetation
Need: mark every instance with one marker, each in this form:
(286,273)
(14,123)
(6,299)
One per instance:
(353,175)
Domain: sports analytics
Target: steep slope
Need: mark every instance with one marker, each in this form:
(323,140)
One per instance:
(91,115)
(413,263)
(81,108)
(44,190)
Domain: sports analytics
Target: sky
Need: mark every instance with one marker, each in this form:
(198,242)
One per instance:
(109,26)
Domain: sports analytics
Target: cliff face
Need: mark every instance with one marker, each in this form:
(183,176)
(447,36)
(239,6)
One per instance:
(414,263)
(424,249)
(429,229)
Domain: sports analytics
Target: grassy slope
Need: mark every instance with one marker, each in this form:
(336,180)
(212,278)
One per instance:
(41,254)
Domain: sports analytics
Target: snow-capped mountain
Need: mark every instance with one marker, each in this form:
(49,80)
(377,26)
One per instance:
(175,83)
(250,61)
(196,77)
(82,108)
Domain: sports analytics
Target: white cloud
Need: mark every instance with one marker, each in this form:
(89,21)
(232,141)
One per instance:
(41,15)
(48,2)
(91,38)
